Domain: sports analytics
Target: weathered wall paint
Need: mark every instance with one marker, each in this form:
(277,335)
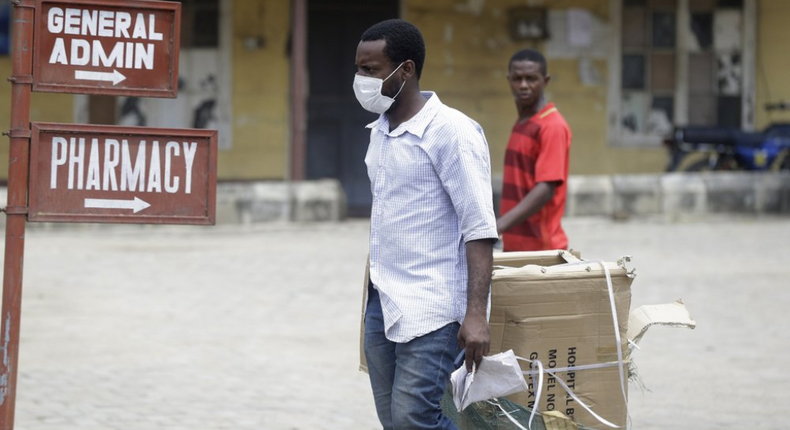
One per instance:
(468,48)
(260,92)
(772,61)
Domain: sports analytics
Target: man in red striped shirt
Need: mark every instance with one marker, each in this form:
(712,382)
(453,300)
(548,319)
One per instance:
(536,162)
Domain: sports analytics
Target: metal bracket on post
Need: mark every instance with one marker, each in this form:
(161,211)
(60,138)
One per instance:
(15,210)
(24,3)
(18,166)
(24,134)
(24,79)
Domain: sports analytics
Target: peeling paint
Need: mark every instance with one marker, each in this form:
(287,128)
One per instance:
(4,376)
(474,7)
(6,339)
(3,388)
(448,58)
(559,45)
(589,75)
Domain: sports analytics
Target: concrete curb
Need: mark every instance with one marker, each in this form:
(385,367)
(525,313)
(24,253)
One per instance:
(255,202)
(618,196)
(624,196)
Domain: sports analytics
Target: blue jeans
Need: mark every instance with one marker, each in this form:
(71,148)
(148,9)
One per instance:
(408,379)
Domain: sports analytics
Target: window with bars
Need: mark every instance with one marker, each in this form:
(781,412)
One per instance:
(200,23)
(648,66)
(680,63)
(715,62)
(5,27)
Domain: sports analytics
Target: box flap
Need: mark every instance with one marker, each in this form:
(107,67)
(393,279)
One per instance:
(669,314)
(540,258)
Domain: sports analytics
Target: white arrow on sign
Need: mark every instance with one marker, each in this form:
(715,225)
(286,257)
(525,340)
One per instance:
(137,205)
(115,77)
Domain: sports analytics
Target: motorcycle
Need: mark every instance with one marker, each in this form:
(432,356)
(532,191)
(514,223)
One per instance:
(696,148)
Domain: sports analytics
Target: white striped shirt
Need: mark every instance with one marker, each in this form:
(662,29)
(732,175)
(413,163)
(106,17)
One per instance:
(431,184)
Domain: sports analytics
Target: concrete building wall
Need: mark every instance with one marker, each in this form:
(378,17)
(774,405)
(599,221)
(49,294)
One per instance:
(261,104)
(469,46)
(772,61)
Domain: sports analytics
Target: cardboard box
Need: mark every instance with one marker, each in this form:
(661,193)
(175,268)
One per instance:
(363,363)
(562,316)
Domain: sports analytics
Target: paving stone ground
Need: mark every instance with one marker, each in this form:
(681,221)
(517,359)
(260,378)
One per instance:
(234,327)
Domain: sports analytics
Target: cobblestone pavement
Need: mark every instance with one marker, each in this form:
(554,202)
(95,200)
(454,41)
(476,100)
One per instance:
(172,328)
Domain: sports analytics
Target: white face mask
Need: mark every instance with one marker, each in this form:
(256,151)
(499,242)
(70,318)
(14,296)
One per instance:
(368,92)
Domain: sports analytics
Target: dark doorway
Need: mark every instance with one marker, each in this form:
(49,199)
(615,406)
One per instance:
(336,135)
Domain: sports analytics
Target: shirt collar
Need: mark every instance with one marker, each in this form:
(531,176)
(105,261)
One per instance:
(417,124)
(545,111)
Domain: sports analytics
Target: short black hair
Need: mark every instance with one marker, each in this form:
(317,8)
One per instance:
(530,55)
(403,41)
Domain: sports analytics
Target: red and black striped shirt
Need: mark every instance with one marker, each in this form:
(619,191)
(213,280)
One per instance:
(538,151)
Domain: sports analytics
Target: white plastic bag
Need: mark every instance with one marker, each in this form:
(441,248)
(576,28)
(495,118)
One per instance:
(499,375)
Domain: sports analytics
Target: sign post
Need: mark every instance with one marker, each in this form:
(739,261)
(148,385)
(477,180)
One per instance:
(21,81)
(83,173)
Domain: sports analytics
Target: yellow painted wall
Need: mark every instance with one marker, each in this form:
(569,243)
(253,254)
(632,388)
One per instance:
(45,107)
(772,61)
(468,48)
(260,92)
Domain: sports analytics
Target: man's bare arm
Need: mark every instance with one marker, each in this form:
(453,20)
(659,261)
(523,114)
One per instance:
(474,334)
(530,205)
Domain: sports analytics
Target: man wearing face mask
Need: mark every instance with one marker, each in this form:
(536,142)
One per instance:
(536,162)
(432,228)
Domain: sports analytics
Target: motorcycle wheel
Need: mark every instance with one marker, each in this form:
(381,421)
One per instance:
(694,162)
(782,162)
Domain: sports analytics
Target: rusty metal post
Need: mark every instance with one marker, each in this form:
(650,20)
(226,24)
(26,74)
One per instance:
(298,153)
(16,209)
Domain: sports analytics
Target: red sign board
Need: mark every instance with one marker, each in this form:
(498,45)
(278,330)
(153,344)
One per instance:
(108,174)
(113,47)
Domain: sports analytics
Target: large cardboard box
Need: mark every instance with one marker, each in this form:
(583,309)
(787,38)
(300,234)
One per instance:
(562,315)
